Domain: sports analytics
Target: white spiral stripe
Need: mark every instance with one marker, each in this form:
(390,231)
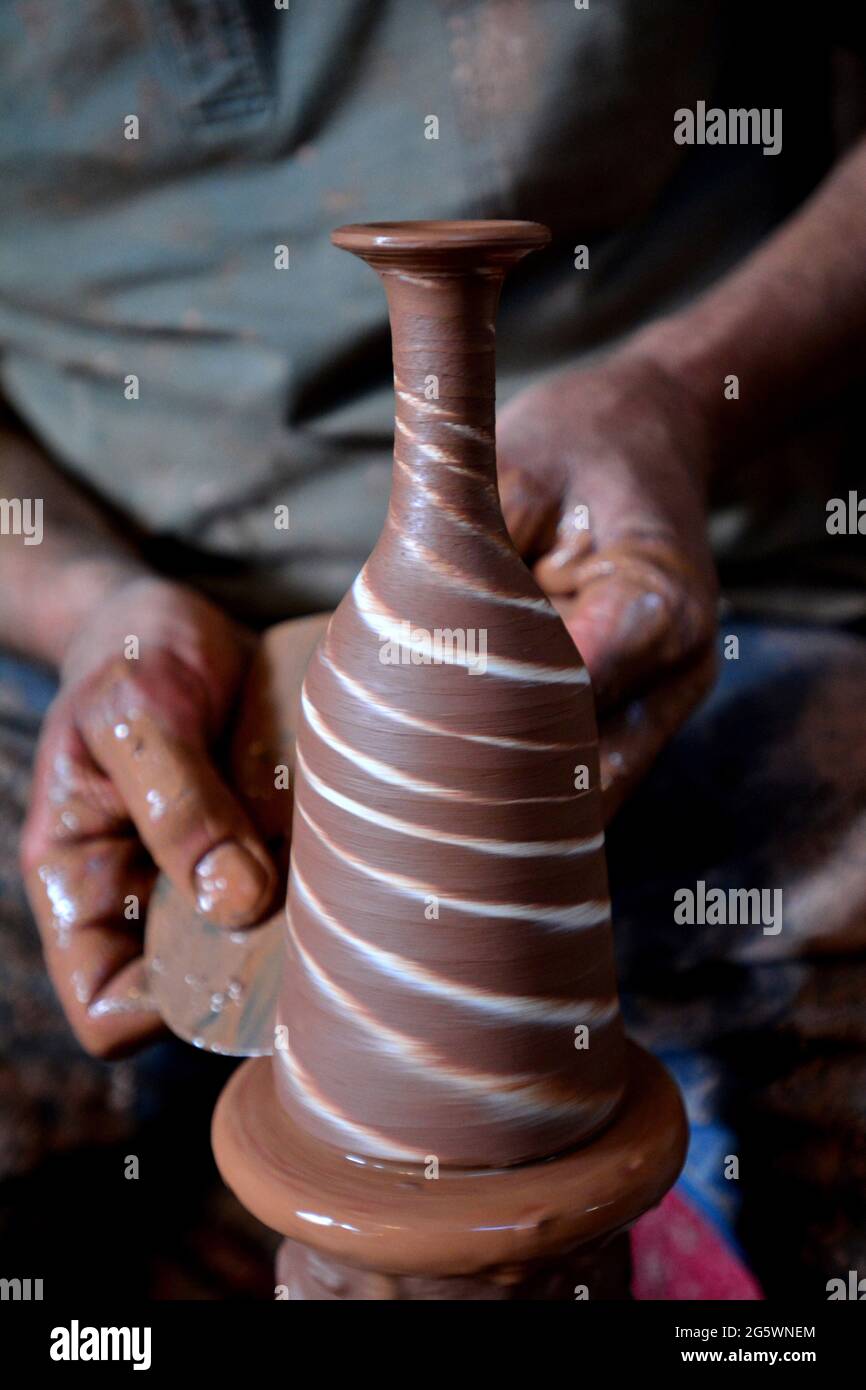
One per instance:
(367,1140)
(473,432)
(482,534)
(385,772)
(431,450)
(389,627)
(365,696)
(476,433)
(514,849)
(573,917)
(511,1006)
(427,284)
(484,484)
(468,584)
(418,402)
(522,1093)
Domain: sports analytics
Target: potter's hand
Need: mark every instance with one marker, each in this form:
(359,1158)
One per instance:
(125,780)
(602,479)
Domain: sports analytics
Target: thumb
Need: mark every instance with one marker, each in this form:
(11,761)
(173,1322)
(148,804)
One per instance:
(633,611)
(619,628)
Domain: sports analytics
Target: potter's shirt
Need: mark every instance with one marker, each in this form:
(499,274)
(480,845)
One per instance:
(261,127)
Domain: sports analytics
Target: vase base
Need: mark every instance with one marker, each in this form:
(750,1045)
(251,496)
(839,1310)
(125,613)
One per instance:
(397,1223)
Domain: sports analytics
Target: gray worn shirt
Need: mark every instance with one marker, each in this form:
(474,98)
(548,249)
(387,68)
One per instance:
(260,127)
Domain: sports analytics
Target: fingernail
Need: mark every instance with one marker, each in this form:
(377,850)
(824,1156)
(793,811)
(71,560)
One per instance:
(231,885)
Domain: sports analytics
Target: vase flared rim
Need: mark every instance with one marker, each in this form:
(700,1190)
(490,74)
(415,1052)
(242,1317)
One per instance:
(395,239)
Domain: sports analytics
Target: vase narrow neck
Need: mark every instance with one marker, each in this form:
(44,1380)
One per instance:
(443,281)
(444,349)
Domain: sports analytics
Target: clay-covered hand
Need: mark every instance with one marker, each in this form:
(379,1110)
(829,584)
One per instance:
(602,475)
(126,782)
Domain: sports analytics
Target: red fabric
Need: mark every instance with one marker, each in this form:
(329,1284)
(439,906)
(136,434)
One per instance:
(678,1254)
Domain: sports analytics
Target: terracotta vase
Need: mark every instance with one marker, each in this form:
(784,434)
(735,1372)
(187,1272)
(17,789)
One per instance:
(448,1007)
(448,923)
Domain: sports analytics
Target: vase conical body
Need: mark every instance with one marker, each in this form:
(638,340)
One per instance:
(449,990)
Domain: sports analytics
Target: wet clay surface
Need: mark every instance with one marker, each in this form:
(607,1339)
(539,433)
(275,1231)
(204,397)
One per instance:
(448,921)
(390,1217)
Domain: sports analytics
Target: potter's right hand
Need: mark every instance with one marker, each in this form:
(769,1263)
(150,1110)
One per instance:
(125,784)
(603,472)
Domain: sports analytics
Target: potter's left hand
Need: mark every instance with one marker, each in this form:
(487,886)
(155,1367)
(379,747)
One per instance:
(126,780)
(602,475)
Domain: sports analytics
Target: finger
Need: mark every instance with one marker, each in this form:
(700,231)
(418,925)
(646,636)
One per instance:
(88,886)
(153,749)
(632,737)
(530,506)
(556,571)
(80,894)
(636,612)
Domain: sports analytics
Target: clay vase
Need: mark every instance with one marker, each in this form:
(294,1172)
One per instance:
(451,1111)
(449,991)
